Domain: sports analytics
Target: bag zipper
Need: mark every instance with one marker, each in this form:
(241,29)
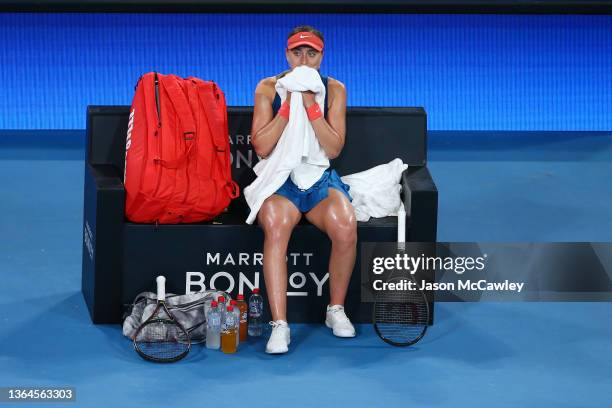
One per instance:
(157,102)
(159,142)
(191,85)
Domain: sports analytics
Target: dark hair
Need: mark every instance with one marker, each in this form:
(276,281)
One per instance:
(308,29)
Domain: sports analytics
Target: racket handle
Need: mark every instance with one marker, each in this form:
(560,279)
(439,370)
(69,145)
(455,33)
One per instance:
(161,288)
(401,224)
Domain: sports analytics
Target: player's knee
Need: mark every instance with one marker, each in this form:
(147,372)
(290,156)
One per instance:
(276,224)
(344,230)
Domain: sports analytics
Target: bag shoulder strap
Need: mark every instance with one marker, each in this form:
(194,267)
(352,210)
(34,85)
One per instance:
(177,98)
(180,103)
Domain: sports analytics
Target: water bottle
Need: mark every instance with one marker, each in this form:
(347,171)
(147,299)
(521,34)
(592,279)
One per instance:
(222,306)
(255,313)
(236,312)
(213,327)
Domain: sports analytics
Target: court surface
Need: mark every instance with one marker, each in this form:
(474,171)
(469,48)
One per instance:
(477,354)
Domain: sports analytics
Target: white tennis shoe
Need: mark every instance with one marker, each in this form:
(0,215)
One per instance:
(279,338)
(336,320)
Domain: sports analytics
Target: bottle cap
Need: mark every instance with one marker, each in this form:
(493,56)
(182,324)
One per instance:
(230,308)
(256,290)
(233,302)
(240,296)
(221,299)
(214,303)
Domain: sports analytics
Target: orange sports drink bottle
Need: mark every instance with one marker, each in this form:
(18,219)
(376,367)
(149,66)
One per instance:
(237,315)
(243,330)
(229,332)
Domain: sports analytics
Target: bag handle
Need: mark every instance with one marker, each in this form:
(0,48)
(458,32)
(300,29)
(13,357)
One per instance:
(174,164)
(233,189)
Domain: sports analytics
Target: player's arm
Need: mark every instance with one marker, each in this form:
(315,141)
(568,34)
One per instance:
(266,129)
(331,132)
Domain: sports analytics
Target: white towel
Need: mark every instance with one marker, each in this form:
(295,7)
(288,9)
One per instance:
(376,191)
(297,152)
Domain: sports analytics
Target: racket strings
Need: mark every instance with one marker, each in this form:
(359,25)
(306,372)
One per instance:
(401,316)
(162,340)
(401,322)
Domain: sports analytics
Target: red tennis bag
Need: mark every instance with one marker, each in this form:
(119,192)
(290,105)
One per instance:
(177,154)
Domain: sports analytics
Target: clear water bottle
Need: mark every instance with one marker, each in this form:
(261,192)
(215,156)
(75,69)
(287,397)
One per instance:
(222,306)
(255,314)
(213,327)
(236,312)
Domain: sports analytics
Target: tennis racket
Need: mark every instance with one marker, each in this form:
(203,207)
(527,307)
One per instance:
(161,338)
(400,317)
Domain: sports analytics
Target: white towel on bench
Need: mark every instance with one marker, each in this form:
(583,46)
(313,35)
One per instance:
(297,152)
(376,191)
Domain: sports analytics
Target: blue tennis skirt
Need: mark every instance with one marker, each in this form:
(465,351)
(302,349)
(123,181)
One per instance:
(306,200)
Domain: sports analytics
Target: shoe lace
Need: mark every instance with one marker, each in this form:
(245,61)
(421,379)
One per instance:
(275,325)
(338,312)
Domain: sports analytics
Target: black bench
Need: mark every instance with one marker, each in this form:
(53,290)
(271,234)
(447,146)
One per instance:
(122,259)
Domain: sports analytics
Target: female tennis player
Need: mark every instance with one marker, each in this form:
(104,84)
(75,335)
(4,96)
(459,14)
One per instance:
(326,204)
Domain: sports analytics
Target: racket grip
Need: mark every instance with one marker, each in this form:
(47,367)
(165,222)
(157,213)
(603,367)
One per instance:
(401,224)
(161,288)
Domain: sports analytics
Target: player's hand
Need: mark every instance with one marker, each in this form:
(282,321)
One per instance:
(308,98)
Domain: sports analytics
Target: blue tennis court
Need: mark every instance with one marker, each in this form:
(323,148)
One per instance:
(497,354)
